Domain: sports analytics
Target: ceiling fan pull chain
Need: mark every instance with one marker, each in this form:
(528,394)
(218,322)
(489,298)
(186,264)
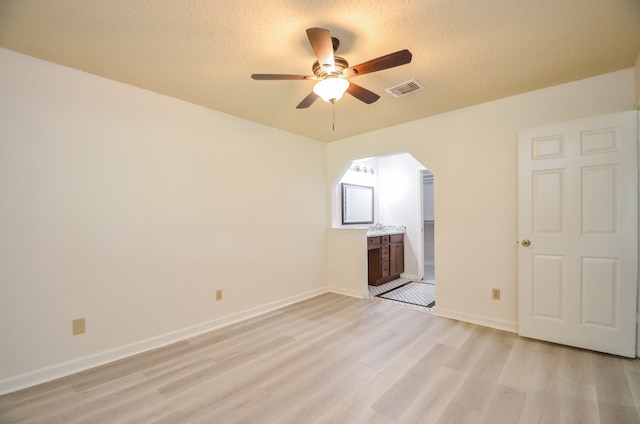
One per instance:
(333,117)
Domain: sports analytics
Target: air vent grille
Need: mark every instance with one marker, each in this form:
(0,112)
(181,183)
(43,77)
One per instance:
(405,88)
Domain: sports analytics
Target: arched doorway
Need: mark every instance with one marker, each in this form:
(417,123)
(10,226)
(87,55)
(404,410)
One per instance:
(400,200)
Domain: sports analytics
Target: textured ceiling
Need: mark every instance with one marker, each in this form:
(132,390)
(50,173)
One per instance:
(464,52)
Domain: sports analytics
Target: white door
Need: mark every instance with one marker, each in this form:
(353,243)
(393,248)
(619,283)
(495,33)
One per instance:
(578,200)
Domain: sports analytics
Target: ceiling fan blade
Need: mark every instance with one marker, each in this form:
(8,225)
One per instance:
(307,101)
(281,77)
(391,60)
(322,46)
(362,94)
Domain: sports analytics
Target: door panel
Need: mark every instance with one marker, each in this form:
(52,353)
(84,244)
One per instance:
(548,286)
(578,206)
(599,291)
(548,201)
(599,203)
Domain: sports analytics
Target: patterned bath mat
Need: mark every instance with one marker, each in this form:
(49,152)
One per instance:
(419,293)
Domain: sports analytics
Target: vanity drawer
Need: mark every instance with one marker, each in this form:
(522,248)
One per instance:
(384,240)
(384,253)
(373,243)
(385,269)
(397,238)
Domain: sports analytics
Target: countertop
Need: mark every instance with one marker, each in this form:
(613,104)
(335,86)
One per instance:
(385,230)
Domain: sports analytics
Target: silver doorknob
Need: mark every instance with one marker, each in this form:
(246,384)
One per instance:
(526,243)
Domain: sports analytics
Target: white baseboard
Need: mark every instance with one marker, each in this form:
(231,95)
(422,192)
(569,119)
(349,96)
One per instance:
(509,326)
(43,375)
(409,276)
(348,292)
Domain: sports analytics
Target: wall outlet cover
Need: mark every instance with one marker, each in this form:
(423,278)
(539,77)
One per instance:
(78,326)
(495,294)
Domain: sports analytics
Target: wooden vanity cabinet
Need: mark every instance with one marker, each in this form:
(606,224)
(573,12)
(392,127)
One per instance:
(385,258)
(396,256)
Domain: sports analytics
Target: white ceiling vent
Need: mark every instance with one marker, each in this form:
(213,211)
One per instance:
(405,88)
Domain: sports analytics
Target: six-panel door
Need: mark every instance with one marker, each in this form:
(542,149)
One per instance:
(578,210)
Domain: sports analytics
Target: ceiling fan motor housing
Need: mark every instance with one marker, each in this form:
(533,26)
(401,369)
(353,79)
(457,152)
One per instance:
(340,65)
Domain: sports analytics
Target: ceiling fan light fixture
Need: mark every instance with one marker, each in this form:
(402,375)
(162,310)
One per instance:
(331,89)
(331,71)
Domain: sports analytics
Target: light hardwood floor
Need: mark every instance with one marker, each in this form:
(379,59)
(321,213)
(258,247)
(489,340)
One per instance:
(335,359)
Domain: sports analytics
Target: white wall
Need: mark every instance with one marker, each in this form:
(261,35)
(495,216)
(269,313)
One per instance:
(400,184)
(130,209)
(473,154)
(347,264)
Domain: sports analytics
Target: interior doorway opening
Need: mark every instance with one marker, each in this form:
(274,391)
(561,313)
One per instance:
(402,194)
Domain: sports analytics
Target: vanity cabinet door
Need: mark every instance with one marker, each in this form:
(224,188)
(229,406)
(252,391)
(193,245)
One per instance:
(375,267)
(396,259)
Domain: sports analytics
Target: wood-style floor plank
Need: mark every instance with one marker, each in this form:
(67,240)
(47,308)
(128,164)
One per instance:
(394,402)
(335,359)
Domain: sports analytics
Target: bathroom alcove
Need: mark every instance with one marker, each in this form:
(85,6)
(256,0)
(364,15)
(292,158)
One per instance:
(397,181)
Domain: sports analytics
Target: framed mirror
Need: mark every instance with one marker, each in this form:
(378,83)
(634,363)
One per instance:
(357,204)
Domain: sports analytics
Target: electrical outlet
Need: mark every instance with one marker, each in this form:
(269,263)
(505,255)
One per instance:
(78,326)
(218,295)
(495,294)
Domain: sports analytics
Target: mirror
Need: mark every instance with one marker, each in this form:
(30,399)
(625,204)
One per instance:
(357,204)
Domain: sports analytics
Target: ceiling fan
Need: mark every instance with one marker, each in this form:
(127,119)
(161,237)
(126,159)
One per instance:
(332,72)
